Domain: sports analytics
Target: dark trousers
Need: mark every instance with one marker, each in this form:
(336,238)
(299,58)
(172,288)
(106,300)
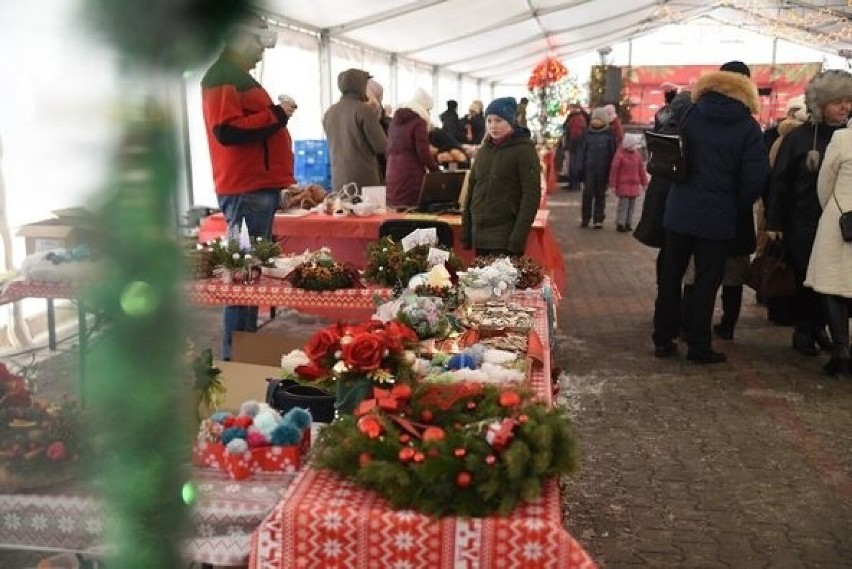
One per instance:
(709,269)
(594,199)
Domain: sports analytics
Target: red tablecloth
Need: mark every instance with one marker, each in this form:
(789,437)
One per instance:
(345,304)
(348,237)
(326,521)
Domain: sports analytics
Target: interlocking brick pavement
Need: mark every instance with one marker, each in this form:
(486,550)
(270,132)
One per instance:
(742,464)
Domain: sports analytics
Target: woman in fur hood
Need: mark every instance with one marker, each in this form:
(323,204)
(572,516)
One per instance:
(728,169)
(794,207)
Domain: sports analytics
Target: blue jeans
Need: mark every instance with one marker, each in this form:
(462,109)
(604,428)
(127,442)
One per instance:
(258,210)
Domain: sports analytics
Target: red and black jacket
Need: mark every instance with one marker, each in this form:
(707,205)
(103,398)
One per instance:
(250,147)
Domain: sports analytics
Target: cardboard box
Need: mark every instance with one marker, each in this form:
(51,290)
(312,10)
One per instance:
(265,348)
(244,381)
(71,227)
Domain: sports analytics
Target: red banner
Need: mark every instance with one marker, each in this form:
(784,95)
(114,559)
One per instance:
(780,82)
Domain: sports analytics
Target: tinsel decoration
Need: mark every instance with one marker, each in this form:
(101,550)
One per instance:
(135,373)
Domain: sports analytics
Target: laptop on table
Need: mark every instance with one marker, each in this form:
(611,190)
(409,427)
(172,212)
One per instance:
(441,192)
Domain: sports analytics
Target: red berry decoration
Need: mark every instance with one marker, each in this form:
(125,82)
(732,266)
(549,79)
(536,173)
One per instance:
(406,454)
(404,438)
(523,419)
(490,460)
(471,405)
(463,479)
(433,434)
(426,416)
(364,459)
(459,453)
(419,457)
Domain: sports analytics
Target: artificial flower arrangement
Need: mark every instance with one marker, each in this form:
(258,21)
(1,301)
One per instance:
(40,442)
(241,256)
(322,272)
(257,439)
(530,273)
(389,264)
(462,449)
(426,315)
(348,359)
(497,279)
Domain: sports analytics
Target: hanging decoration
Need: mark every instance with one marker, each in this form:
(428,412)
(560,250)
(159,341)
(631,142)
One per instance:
(546,84)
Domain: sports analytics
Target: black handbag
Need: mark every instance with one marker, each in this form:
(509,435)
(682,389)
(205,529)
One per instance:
(770,275)
(845,222)
(284,394)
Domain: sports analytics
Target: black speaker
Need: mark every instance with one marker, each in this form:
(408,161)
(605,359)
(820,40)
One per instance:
(612,85)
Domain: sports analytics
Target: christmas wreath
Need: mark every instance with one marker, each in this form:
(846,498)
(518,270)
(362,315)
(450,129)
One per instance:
(390,265)
(530,273)
(321,272)
(462,449)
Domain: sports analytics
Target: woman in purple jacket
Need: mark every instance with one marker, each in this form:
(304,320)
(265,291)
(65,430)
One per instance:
(408,156)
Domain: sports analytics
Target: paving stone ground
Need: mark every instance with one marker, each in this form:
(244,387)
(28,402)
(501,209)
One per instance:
(746,464)
(742,464)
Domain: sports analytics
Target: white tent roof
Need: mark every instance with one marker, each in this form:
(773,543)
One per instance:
(500,40)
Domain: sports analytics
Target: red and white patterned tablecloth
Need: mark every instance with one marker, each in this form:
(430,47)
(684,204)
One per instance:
(325,521)
(343,304)
(226,514)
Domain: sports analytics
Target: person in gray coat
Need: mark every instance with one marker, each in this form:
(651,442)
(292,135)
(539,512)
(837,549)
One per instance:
(355,135)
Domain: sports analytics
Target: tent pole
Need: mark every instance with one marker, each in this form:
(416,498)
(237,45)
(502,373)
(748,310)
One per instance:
(325,69)
(394,79)
(436,70)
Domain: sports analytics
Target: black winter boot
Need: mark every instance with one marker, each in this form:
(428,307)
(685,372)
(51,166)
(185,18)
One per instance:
(837,313)
(732,298)
(803,339)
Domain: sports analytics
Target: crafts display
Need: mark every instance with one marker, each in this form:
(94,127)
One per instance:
(257,439)
(530,273)
(350,359)
(462,449)
(498,315)
(322,272)
(478,363)
(80,264)
(495,280)
(439,283)
(40,442)
(389,264)
(427,316)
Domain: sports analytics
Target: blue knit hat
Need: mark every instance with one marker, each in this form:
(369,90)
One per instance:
(504,107)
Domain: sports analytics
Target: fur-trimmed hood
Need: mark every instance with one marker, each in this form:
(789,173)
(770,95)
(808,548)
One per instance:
(732,85)
(788,124)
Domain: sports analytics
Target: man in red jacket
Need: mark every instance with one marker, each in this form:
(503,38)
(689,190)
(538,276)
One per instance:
(250,147)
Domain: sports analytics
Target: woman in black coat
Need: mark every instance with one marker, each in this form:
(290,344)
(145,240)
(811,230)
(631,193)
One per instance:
(794,209)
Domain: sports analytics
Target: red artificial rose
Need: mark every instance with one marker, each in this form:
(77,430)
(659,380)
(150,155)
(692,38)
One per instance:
(364,352)
(323,344)
(405,335)
(311,372)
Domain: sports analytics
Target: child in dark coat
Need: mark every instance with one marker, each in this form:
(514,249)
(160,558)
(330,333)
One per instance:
(596,158)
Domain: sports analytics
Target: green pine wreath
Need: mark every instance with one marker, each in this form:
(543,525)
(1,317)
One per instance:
(444,450)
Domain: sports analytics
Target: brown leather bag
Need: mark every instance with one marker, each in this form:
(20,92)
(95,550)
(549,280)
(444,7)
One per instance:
(769,273)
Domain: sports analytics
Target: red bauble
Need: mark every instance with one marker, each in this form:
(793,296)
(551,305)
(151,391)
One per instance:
(523,419)
(471,405)
(426,416)
(490,460)
(370,426)
(463,479)
(459,453)
(433,434)
(364,459)
(419,457)
(404,438)
(433,453)
(509,399)
(406,454)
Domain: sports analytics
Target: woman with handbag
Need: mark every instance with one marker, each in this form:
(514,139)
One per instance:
(830,265)
(793,207)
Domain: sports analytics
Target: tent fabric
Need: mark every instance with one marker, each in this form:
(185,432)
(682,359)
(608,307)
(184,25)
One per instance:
(498,41)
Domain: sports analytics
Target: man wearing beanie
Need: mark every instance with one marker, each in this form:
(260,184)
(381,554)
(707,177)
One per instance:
(355,135)
(505,185)
(727,170)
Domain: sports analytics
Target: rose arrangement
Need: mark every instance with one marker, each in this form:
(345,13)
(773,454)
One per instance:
(425,315)
(341,355)
(462,449)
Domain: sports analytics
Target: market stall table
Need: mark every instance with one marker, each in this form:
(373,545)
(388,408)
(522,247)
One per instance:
(349,236)
(325,520)
(345,304)
(69,519)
